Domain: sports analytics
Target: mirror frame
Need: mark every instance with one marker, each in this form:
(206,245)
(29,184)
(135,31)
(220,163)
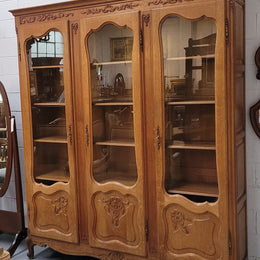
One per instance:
(253,118)
(9,141)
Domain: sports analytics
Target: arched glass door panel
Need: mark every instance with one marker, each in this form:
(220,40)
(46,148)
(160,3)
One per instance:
(189,94)
(45,61)
(110,50)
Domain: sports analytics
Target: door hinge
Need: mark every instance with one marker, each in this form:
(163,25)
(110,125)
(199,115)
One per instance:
(229,243)
(141,40)
(227,31)
(146,230)
(87,135)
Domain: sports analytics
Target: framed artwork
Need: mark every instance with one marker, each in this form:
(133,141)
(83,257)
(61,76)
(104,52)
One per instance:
(121,48)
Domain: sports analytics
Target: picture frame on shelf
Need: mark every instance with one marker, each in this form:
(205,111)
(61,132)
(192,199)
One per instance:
(121,48)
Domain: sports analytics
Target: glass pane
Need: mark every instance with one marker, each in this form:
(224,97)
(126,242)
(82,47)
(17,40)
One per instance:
(48,110)
(110,51)
(189,73)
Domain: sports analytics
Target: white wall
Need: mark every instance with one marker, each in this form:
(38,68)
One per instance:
(9,77)
(253,142)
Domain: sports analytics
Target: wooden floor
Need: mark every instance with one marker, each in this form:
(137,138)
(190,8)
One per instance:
(40,253)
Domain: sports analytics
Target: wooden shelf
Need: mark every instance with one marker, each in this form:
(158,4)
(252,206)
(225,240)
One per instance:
(53,175)
(113,104)
(3,129)
(111,63)
(198,189)
(117,177)
(52,139)
(192,146)
(48,67)
(195,102)
(49,104)
(126,143)
(209,56)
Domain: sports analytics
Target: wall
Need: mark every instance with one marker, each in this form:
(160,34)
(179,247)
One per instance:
(9,77)
(253,142)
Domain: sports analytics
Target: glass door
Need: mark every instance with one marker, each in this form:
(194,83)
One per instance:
(51,149)
(114,133)
(187,131)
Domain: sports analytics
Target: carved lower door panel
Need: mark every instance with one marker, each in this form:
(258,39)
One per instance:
(115,218)
(52,215)
(191,234)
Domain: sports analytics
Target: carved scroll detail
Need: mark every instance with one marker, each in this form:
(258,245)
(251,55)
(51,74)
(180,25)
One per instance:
(113,256)
(165,2)
(146,19)
(110,8)
(44,17)
(116,208)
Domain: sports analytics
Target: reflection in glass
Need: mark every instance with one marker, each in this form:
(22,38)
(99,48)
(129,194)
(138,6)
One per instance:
(189,76)
(110,51)
(45,61)
(3,142)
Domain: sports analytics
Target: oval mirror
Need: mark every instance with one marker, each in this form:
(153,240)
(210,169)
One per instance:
(5,141)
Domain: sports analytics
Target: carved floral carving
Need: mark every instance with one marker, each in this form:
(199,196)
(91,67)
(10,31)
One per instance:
(60,205)
(116,208)
(179,221)
(44,17)
(146,19)
(75,27)
(110,8)
(113,256)
(164,2)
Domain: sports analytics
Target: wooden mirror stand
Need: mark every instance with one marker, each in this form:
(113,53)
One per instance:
(10,222)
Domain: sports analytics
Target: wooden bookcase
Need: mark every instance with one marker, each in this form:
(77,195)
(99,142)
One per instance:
(134,128)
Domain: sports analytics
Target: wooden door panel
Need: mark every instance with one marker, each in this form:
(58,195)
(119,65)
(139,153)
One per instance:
(189,232)
(115,218)
(53,216)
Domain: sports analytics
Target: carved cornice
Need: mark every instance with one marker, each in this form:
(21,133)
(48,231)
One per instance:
(110,8)
(165,2)
(44,17)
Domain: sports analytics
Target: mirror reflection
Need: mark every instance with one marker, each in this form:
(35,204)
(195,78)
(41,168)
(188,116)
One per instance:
(3,142)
